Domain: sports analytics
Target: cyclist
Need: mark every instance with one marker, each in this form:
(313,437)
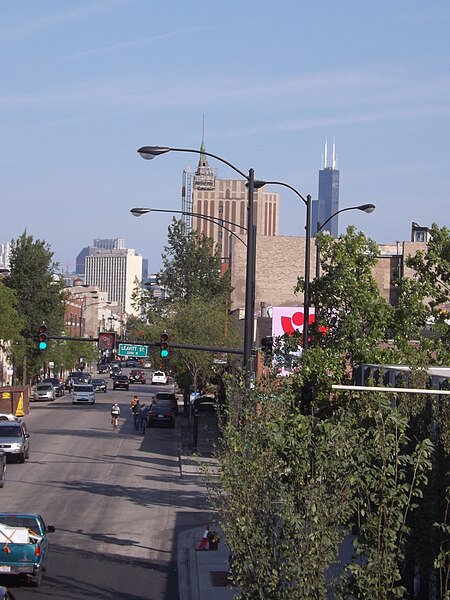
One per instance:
(115,413)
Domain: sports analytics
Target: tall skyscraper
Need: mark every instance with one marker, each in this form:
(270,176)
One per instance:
(115,271)
(227,199)
(328,200)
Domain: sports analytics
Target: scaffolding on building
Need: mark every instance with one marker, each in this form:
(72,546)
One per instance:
(186,199)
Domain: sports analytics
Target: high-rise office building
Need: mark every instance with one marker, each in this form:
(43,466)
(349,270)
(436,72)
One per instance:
(328,201)
(227,199)
(115,271)
(106,243)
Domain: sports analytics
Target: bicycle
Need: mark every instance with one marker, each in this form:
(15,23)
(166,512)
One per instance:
(115,422)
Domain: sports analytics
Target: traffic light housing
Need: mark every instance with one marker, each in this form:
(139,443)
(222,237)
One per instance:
(43,336)
(164,345)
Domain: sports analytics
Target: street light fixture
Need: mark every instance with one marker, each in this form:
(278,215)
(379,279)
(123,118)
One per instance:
(150,152)
(138,212)
(367,208)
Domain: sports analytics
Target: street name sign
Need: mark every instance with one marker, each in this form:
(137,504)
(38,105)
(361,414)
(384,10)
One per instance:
(132,350)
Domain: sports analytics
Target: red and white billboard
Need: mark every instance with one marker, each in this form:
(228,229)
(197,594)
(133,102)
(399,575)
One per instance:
(288,319)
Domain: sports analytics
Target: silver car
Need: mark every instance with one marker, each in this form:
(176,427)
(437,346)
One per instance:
(14,440)
(44,391)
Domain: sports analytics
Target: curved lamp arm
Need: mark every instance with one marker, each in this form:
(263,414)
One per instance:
(367,208)
(138,212)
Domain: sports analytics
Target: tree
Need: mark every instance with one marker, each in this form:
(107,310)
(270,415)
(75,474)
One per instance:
(192,267)
(10,319)
(38,291)
(347,298)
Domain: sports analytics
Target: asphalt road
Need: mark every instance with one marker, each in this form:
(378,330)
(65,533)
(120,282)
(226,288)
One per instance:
(117,500)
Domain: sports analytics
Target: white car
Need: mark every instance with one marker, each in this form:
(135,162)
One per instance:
(159,377)
(83,394)
(8,417)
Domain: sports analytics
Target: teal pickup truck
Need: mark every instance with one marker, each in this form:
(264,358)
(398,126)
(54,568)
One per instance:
(24,545)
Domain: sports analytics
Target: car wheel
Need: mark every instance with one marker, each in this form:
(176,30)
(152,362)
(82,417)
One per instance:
(27,454)
(36,579)
(21,458)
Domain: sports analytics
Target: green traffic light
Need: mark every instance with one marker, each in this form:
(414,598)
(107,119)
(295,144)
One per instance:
(164,353)
(42,345)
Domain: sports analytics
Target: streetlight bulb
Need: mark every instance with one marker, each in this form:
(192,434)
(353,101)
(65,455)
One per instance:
(367,208)
(138,212)
(149,152)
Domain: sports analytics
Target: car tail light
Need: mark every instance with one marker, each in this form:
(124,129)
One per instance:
(37,551)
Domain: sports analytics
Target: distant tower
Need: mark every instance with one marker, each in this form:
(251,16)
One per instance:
(328,200)
(227,199)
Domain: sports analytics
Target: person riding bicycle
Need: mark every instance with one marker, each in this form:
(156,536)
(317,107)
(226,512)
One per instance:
(115,413)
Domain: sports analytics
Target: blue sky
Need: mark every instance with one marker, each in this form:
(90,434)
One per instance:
(86,82)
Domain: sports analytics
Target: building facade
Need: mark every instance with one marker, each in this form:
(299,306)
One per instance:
(115,271)
(227,199)
(280,261)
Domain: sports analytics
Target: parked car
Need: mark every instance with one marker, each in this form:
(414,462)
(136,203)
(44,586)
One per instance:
(159,377)
(121,382)
(99,385)
(24,535)
(2,469)
(43,391)
(83,393)
(8,417)
(56,383)
(161,415)
(137,376)
(14,440)
(166,398)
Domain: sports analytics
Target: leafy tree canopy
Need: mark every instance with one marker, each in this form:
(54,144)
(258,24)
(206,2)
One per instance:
(191,266)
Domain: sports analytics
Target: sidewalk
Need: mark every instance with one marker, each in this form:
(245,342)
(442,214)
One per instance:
(202,574)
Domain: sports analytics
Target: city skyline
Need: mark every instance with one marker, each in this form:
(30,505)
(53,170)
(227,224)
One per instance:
(133,73)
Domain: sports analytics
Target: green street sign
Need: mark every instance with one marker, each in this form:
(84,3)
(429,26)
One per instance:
(133,350)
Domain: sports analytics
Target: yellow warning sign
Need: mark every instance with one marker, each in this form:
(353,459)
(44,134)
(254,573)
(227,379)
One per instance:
(19,411)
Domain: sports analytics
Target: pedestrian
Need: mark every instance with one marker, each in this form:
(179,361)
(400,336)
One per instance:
(143,418)
(135,410)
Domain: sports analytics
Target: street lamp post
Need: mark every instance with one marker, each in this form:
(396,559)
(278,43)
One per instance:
(306,299)
(150,152)
(367,208)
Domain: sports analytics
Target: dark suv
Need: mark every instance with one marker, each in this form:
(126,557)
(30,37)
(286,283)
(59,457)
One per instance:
(166,398)
(120,382)
(137,376)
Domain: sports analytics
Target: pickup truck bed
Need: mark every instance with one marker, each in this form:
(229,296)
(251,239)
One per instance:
(23,545)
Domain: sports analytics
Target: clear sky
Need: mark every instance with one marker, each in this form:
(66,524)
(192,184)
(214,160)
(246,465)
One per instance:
(85,83)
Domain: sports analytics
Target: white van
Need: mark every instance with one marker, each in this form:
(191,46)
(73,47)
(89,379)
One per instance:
(83,394)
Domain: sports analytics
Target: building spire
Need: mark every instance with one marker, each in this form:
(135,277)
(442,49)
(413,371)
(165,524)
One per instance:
(204,178)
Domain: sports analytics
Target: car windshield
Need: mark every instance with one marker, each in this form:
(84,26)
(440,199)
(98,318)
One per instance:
(165,396)
(10,431)
(98,381)
(44,386)
(83,388)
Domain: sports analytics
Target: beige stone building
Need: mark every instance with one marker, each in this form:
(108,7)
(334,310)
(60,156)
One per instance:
(280,261)
(226,199)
